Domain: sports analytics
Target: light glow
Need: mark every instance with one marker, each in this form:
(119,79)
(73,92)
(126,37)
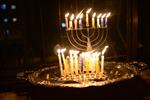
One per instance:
(94,15)
(104,50)
(89,10)
(104,15)
(108,15)
(99,15)
(66,15)
(72,17)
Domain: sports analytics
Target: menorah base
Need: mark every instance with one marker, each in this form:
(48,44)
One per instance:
(113,72)
(82,78)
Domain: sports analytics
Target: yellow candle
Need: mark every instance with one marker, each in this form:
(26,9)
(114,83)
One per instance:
(97,62)
(98,24)
(87,17)
(93,20)
(65,62)
(60,62)
(87,20)
(71,63)
(93,23)
(70,22)
(76,23)
(92,63)
(87,61)
(76,20)
(66,19)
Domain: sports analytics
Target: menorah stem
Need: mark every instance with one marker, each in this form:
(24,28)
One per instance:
(89,46)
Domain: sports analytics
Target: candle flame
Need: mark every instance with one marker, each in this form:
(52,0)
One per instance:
(99,15)
(73,52)
(81,16)
(108,15)
(104,50)
(104,15)
(78,16)
(62,50)
(96,54)
(58,50)
(94,15)
(72,17)
(66,15)
(88,11)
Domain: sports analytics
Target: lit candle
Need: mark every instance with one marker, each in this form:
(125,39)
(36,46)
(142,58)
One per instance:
(84,60)
(98,23)
(87,17)
(71,63)
(66,19)
(97,62)
(75,23)
(102,59)
(75,53)
(68,65)
(76,20)
(102,64)
(65,62)
(87,61)
(102,20)
(80,21)
(92,63)
(93,20)
(70,22)
(60,62)
(81,62)
(106,18)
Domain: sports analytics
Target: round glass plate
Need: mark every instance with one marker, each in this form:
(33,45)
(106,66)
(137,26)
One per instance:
(114,71)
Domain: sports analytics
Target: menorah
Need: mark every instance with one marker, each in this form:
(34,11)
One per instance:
(83,65)
(87,37)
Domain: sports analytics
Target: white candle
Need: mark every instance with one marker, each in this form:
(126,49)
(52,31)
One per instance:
(80,21)
(107,19)
(60,62)
(87,17)
(93,20)
(102,64)
(98,22)
(102,20)
(75,53)
(102,59)
(66,19)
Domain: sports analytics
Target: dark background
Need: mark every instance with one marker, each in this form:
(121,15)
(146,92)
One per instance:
(29,43)
(32,38)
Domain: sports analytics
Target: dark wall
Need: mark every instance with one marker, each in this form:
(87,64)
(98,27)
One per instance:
(39,26)
(144,27)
